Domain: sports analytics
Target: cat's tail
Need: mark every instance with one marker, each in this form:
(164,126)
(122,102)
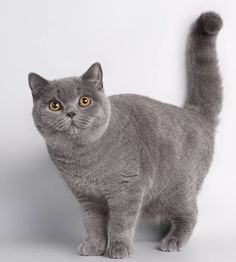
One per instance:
(203,74)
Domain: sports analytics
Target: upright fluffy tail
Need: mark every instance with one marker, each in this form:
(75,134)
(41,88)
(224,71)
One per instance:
(203,74)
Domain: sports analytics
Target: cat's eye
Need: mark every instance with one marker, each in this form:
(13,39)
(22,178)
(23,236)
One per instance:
(85,101)
(55,106)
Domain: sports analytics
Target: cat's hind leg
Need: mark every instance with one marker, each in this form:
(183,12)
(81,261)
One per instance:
(182,225)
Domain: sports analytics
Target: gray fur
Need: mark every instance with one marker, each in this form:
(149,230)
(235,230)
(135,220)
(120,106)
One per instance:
(128,157)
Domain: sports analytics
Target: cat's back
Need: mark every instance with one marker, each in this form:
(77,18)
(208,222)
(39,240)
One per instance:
(160,114)
(134,102)
(161,123)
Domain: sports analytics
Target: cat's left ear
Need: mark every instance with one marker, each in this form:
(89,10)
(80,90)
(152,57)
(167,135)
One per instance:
(94,75)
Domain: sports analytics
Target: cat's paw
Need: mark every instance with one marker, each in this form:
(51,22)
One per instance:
(89,248)
(170,244)
(119,250)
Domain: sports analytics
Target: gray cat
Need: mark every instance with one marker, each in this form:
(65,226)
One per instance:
(128,157)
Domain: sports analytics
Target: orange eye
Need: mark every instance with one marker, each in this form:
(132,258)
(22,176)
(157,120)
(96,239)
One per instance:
(85,101)
(55,106)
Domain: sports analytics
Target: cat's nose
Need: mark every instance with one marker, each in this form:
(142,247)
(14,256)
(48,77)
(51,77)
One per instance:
(70,114)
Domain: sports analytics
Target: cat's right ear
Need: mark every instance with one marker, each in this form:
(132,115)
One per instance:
(36,83)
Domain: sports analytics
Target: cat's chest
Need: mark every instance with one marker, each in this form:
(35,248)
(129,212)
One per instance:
(84,173)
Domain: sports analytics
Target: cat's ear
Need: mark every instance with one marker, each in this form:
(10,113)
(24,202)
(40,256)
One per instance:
(36,83)
(94,75)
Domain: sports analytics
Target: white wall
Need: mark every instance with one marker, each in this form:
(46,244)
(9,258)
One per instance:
(141,47)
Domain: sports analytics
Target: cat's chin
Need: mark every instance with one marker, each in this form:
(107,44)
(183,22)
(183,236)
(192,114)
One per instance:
(73,130)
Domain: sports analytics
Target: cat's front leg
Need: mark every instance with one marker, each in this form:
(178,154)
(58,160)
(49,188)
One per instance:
(124,210)
(94,217)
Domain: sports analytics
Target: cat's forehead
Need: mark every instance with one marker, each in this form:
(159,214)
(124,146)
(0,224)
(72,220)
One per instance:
(68,89)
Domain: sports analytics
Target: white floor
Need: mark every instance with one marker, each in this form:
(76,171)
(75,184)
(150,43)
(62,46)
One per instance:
(207,249)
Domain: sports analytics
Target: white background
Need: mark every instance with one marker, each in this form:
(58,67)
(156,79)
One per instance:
(141,46)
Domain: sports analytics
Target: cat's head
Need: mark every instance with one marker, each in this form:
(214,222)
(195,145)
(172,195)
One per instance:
(73,108)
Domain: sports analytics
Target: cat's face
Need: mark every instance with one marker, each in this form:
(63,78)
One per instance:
(73,108)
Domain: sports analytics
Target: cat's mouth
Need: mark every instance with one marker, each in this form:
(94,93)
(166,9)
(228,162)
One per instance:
(76,126)
(73,130)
